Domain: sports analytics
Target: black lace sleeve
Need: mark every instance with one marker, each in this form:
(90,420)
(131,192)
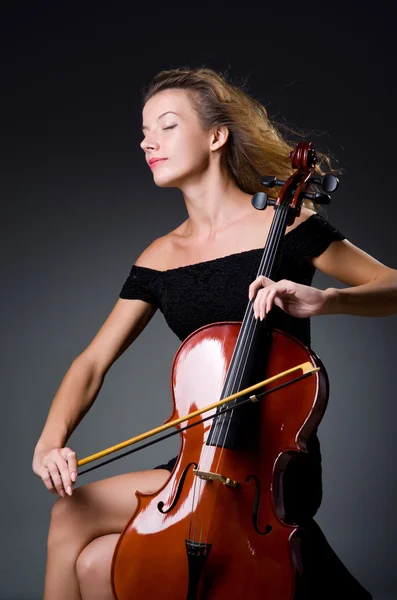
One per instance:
(139,285)
(316,237)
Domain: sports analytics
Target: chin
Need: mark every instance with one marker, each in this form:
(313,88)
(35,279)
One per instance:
(165,181)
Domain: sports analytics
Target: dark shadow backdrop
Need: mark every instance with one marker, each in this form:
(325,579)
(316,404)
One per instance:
(79,205)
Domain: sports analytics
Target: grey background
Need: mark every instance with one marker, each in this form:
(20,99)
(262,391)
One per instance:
(79,205)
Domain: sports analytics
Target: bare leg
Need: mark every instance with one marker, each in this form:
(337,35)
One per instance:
(93,568)
(93,510)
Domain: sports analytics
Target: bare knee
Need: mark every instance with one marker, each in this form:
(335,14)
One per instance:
(98,508)
(66,521)
(93,565)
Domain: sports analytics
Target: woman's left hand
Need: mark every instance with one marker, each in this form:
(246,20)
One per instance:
(294,298)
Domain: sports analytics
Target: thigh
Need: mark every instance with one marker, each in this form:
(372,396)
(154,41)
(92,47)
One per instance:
(104,506)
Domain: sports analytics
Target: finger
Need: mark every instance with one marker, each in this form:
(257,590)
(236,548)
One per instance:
(63,469)
(253,288)
(255,305)
(278,292)
(263,304)
(56,478)
(48,481)
(259,282)
(270,300)
(65,477)
(71,458)
(260,301)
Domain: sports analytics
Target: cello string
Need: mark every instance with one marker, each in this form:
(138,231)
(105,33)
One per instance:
(238,372)
(275,229)
(246,334)
(252,322)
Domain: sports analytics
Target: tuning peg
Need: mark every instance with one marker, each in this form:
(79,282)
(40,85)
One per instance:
(270,181)
(260,201)
(329,182)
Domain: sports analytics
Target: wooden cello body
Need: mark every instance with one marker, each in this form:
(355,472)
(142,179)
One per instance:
(246,559)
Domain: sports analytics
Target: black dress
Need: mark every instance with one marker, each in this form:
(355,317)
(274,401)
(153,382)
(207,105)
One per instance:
(217,290)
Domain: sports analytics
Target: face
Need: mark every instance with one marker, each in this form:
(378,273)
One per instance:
(178,138)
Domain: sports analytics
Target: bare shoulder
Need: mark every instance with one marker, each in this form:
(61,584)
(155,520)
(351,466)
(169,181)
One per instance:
(156,255)
(161,252)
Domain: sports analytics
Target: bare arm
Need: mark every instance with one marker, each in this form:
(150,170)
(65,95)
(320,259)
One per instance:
(84,378)
(54,463)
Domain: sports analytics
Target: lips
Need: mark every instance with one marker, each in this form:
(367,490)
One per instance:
(155,161)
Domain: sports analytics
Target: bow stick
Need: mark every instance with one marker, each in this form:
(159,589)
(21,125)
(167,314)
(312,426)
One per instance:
(307,369)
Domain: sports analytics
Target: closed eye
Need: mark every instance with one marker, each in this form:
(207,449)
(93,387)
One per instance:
(164,128)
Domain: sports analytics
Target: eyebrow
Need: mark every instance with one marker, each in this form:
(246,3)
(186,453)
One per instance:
(162,115)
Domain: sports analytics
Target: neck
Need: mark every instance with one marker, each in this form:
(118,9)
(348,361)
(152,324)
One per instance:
(212,206)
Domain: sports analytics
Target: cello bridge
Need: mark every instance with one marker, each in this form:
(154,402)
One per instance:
(208,476)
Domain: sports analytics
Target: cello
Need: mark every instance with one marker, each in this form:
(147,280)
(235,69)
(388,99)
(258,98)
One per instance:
(218,528)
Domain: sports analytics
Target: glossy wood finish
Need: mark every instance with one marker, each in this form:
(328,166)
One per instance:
(150,560)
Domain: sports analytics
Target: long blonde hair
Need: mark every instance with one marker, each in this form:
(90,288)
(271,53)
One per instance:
(255,145)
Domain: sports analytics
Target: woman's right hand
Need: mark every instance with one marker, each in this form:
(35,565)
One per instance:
(57,467)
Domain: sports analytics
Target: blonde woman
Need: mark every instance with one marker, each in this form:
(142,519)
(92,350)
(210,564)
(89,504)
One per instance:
(211,140)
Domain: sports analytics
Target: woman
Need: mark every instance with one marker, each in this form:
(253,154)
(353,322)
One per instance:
(212,141)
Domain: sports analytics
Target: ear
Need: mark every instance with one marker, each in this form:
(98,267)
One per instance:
(219,137)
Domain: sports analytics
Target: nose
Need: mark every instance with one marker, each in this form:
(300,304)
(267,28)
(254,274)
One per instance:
(148,144)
